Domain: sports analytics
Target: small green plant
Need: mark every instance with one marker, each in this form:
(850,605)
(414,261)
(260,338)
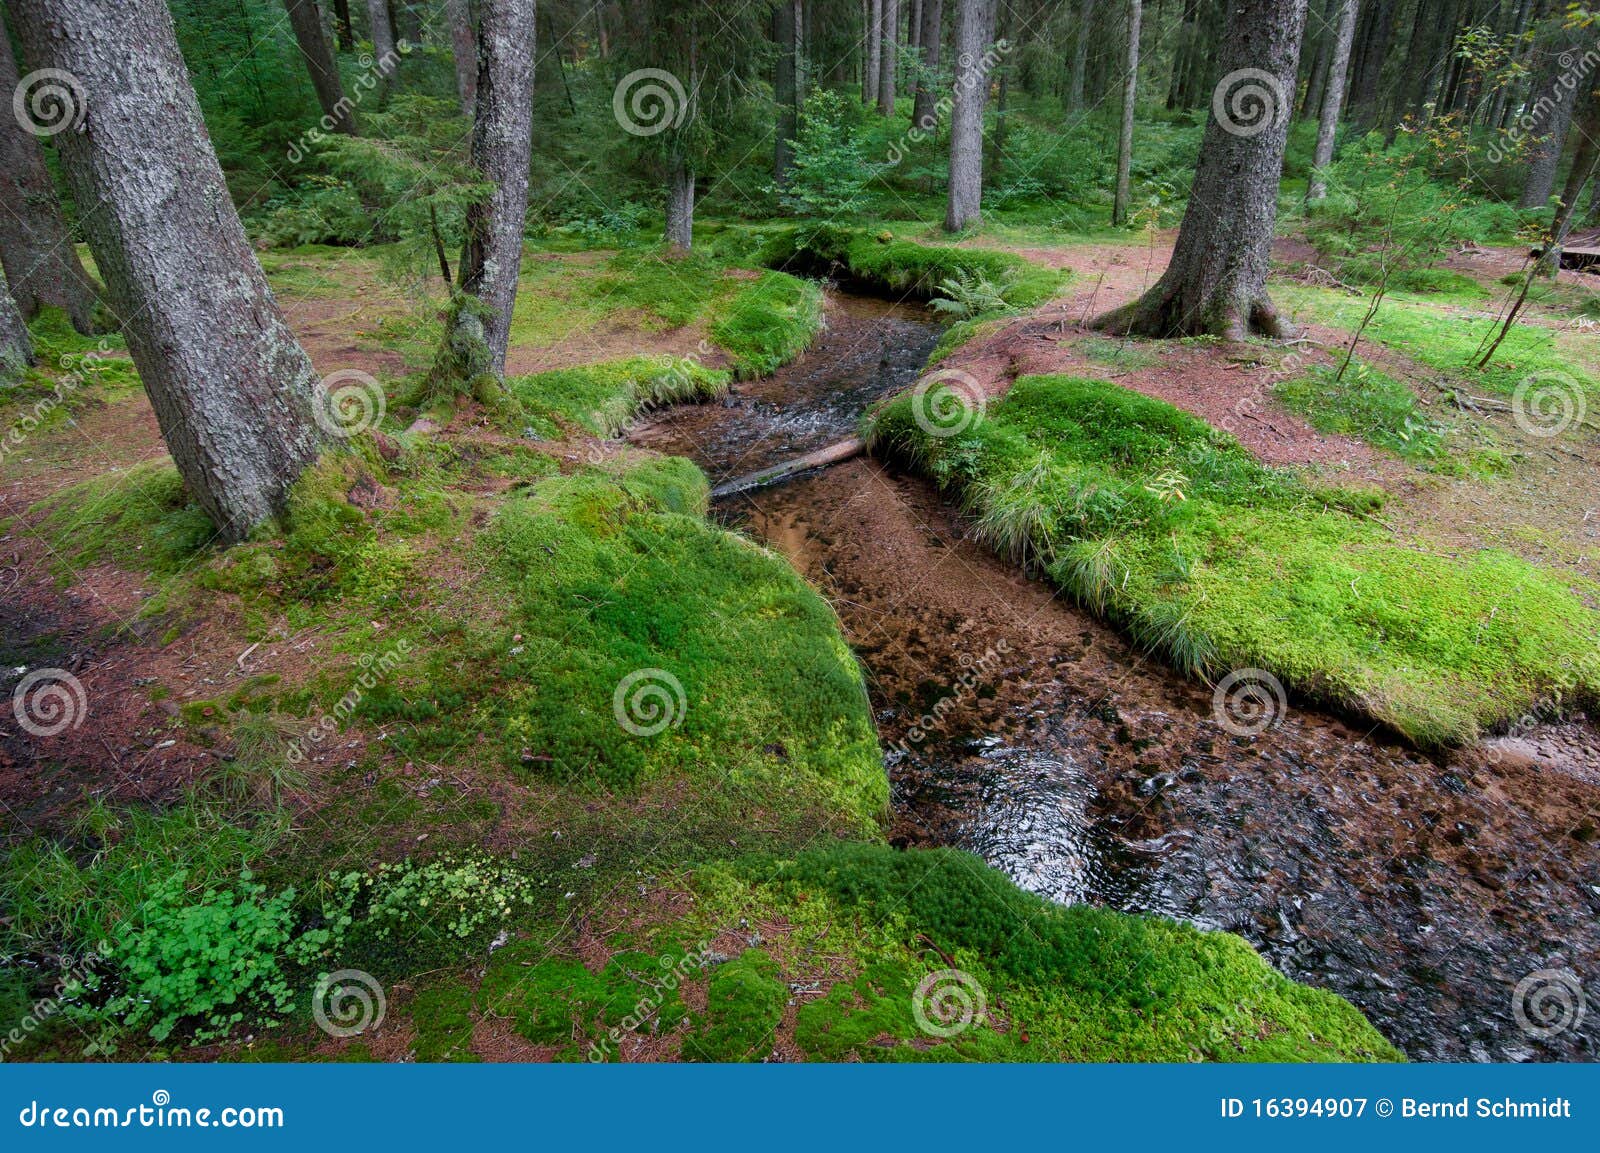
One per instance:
(971,293)
(830,169)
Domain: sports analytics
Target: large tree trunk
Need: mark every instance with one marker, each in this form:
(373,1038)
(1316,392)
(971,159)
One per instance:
(36,250)
(787,31)
(16,346)
(1552,115)
(382,30)
(680,204)
(231,388)
(872,49)
(925,108)
(1130,91)
(502,142)
(342,27)
(464,45)
(974,27)
(338,113)
(1216,281)
(1332,99)
(889,53)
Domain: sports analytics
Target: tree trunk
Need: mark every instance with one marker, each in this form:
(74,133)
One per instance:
(1184,46)
(874,51)
(1552,113)
(787,20)
(889,50)
(925,109)
(231,388)
(464,45)
(1130,92)
(914,25)
(502,143)
(974,27)
(1216,281)
(338,114)
(36,250)
(1080,56)
(680,204)
(16,346)
(382,30)
(602,32)
(343,29)
(1332,99)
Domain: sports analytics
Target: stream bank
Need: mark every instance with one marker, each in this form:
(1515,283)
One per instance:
(1423,889)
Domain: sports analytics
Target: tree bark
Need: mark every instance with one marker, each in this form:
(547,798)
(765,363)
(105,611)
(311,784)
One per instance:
(680,204)
(925,109)
(1216,281)
(342,27)
(1130,92)
(889,52)
(231,388)
(16,346)
(1080,56)
(1552,114)
(873,49)
(337,111)
(787,23)
(1332,99)
(464,46)
(36,250)
(502,143)
(974,28)
(382,30)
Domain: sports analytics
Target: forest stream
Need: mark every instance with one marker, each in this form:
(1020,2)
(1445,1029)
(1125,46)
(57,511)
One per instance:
(1017,726)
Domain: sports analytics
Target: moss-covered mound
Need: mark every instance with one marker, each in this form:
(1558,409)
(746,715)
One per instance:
(1168,526)
(886,263)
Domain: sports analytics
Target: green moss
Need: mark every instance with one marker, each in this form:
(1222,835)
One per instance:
(1037,981)
(744,1006)
(140,519)
(603,398)
(1366,404)
(1169,527)
(903,266)
(1447,340)
(442,1016)
(769,323)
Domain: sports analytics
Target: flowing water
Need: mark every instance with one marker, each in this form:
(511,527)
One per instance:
(1445,896)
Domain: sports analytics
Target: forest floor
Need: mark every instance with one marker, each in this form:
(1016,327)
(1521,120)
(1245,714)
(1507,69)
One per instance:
(167,660)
